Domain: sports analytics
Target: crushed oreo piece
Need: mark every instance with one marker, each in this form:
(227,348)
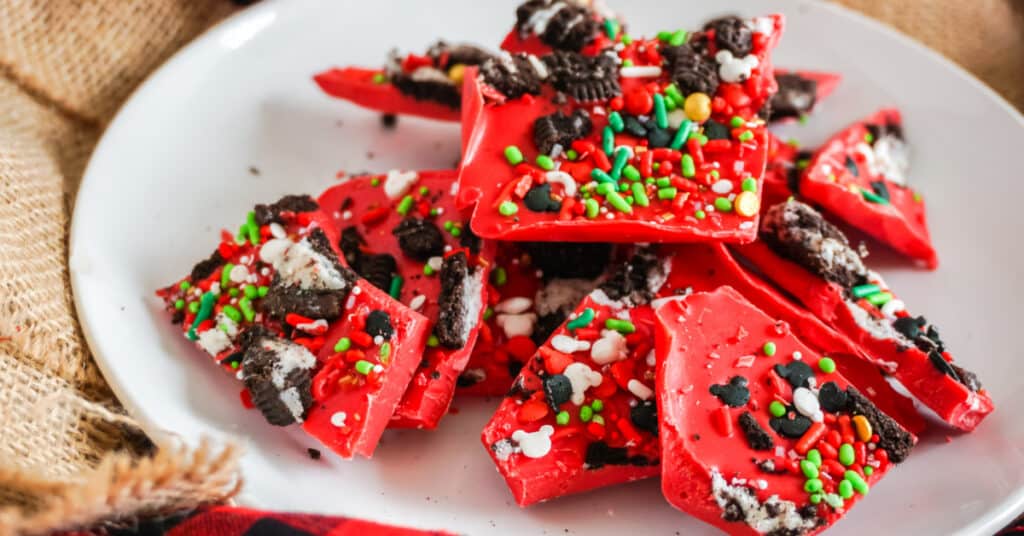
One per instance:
(377,270)
(314,454)
(283,298)
(584,78)
(795,98)
(435,87)
(734,393)
(469,239)
(630,281)
(880,189)
(557,390)
(569,260)
(278,375)
(388,121)
(511,75)
(880,131)
(797,373)
(968,378)
(831,397)
(756,436)
(560,129)
(644,416)
(791,425)
(568,26)
(453,326)
(691,70)
(266,214)
(446,55)
(545,326)
(178,316)
(379,323)
(909,326)
(716,131)
(799,233)
(470,377)
(600,454)
(769,466)
(320,244)
(419,239)
(732,511)
(206,267)
(351,245)
(851,166)
(538,199)
(732,34)
(892,437)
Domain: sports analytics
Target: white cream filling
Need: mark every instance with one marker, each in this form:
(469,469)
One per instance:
(757,514)
(300,265)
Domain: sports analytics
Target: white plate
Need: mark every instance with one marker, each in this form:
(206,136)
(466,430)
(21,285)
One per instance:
(173,168)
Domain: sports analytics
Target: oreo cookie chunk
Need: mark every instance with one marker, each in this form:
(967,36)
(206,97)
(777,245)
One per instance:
(446,55)
(428,84)
(278,374)
(569,260)
(560,129)
(559,24)
(283,298)
(732,34)
(892,437)
(692,71)
(636,280)
(459,301)
(266,214)
(584,78)
(351,246)
(378,269)
(800,234)
(796,96)
(511,75)
(419,239)
(206,267)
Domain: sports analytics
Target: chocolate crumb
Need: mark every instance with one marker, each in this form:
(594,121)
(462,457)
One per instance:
(419,239)
(388,121)
(206,267)
(757,437)
(266,214)
(896,441)
(453,326)
(314,454)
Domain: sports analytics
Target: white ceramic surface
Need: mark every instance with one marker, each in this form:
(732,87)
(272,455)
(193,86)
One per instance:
(174,167)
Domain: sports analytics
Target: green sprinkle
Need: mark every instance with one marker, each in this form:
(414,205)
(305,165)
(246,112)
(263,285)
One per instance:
(250,291)
(193,307)
(776,408)
(622,326)
(827,365)
(858,483)
(225,275)
(768,348)
(667,193)
(343,344)
(722,204)
(713,173)
(185,285)
(861,291)
(845,489)
(435,211)
(660,114)
(699,214)
(433,341)
(672,92)
(600,176)
(234,364)
(615,121)
(488,313)
(375,182)
(232,313)
(749,184)
(597,405)
(746,135)
(664,35)
(702,139)
(880,298)
(640,195)
(736,121)
(650,180)
(872,197)
(424,190)
(364,367)
(254,228)
(689,168)
(598,419)
(868,137)
(814,456)
(618,202)
(508,208)
(621,157)
(605,187)
(245,304)
(385,351)
(631,172)
(592,208)
(815,498)
(803,119)
(379,78)
(611,28)
(678,38)
(586,413)
(682,134)
(663,182)
(868,470)
(179,304)
(846,456)
(499,276)
(917,197)
(626,39)
(404,205)
(813,485)
(562,418)
(448,225)
(583,320)
(262,291)
(513,155)
(206,303)
(802,163)
(608,140)
(545,162)
(623,186)
(670,104)
(396,286)
(809,469)
(834,500)
(427,270)
(456,232)
(571,154)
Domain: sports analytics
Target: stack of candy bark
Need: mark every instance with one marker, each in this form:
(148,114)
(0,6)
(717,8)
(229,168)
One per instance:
(652,282)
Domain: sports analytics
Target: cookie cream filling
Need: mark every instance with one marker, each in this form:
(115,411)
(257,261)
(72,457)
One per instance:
(765,517)
(561,295)
(540,19)
(290,357)
(301,265)
(471,302)
(879,328)
(889,156)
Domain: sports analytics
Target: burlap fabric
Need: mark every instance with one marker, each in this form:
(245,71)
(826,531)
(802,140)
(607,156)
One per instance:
(69,456)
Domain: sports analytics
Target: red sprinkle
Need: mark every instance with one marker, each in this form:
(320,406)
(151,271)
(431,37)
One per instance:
(374,215)
(639,102)
(846,429)
(246,398)
(361,338)
(532,410)
(554,361)
(722,421)
(810,437)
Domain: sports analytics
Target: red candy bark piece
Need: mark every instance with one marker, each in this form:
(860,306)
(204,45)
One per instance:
(745,422)
(799,92)
(599,170)
(267,303)
(860,177)
(812,260)
(543,26)
(403,233)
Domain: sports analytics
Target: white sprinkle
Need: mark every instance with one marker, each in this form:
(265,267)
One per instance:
(264,271)
(378,368)
(417,302)
(515,305)
(516,325)
(640,71)
(581,377)
(378,340)
(722,186)
(397,183)
(732,69)
(746,225)
(351,301)
(714,355)
(215,288)
(347,215)
(277,231)
(807,404)
(892,307)
(609,348)
(639,390)
(676,118)
(239,274)
(357,291)
(318,325)
(797,355)
(651,359)
(534,444)
(435,263)
(239,374)
(569,345)
(338,419)
(563,178)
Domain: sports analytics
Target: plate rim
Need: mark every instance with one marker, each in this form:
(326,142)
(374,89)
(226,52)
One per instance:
(991,521)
